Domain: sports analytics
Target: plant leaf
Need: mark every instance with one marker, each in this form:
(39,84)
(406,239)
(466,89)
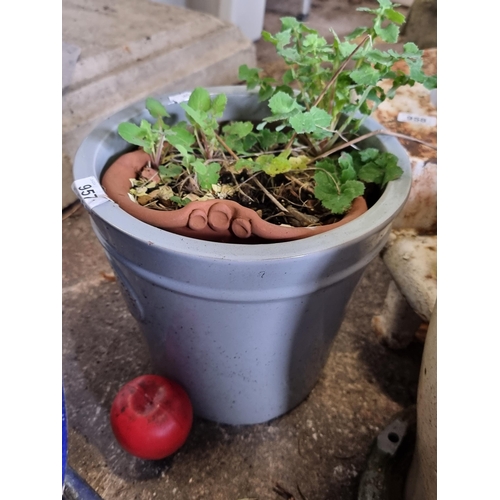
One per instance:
(389,34)
(282,38)
(240,129)
(171,171)
(274,165)
(378,56)
(206,174)
(199,99)
(267,139)
(265,91)
(394,16)
(146,127)
(357,32)
(131,133)
(243,163)
(366,75)
(300,162)
(411,48)
(267,37)
(385,3)
(371,172)
(178,135)
(195,116)
(389,164)
(288,77)
(346,163)
(346,49)
(219,105)
(368,154)
(328,193)
(249,141)
(251,76)
(430,82)
(289,22)
(283,104)
(309,121)
(156,108)
(180,201)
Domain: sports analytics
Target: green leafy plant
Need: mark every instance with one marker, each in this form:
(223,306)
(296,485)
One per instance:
(304,164)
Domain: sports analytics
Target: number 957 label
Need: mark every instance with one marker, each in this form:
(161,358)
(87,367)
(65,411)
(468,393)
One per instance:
(90,192)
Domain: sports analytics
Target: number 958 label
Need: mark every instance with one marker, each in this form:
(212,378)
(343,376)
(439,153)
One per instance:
(431,121)
(90,192)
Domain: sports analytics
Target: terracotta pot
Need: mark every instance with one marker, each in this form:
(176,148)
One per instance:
(214,220)
(245,329)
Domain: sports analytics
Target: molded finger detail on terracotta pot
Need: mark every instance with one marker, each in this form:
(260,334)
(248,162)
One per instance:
(219,217)
(215,220)
(242,228)
(197,220)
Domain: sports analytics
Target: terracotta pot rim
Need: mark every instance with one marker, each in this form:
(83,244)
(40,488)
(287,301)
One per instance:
(214,220)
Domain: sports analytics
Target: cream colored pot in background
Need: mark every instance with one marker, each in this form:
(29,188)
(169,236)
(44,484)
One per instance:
(422,478)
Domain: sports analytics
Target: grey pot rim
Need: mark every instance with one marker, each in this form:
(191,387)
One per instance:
(378,216)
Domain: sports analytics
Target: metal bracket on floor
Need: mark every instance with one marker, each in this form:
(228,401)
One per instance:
(387,467)
(76,488)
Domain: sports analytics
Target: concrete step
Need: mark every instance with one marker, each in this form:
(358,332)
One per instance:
(131,50)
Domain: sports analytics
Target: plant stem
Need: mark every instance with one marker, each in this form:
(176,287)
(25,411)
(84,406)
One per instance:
(301,88)
(238,188)
(270,196)
(251,178)
(296,149)
(290,142)
(366,136)
(338,133)
(299,183)
(202,149)
(229,150)
(157,154)
(331,82)
(337,73)
(313,146)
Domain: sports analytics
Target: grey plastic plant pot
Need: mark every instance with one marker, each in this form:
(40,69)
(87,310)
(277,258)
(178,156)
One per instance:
(246,329)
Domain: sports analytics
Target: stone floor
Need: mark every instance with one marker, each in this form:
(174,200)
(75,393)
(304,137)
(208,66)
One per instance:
(316,452)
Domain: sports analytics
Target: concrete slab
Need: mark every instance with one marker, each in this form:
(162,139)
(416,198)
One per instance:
(70,55)
(248,16)
(133,49)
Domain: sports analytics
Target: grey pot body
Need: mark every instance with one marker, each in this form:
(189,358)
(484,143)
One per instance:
(246,329)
